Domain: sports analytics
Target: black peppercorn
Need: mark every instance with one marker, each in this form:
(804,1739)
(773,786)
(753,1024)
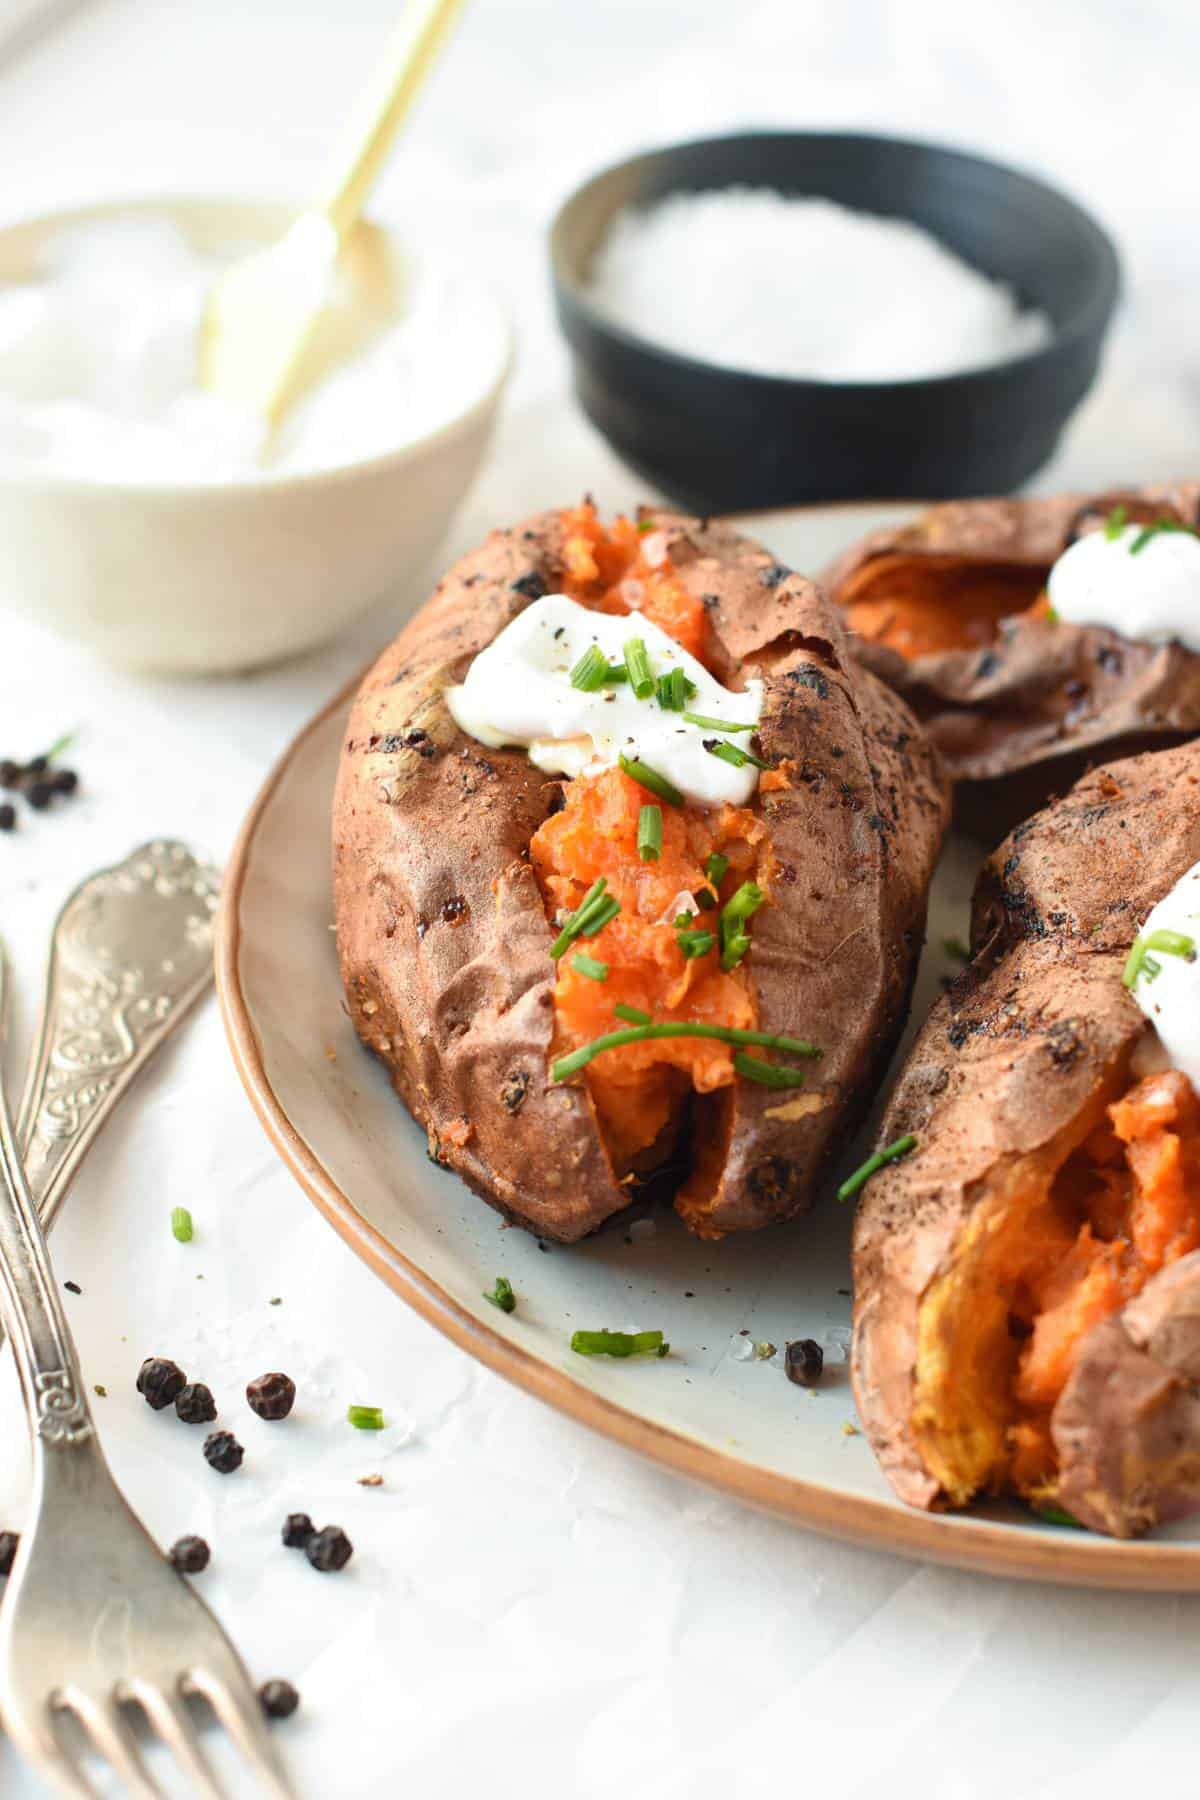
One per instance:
(222,1452)
(40,794)
(297,1529)
(64,781)
(8,1550)
(189,1555)
(278,1699)
(329,1549)
(272,1396)
(195,1404)
(37,766)
(159,1380)
(804,1362)
(8,816)
(10,773)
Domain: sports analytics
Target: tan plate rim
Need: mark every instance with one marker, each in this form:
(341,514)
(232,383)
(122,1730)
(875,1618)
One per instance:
(1062,1557)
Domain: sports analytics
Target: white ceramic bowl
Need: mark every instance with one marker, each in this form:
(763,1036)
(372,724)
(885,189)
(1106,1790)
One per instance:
(200,578)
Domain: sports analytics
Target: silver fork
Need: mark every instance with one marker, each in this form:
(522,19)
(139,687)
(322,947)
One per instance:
(95,1620)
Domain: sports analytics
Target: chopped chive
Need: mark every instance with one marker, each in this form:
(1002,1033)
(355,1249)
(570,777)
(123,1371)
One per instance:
(644,525)
(1170,943)
(1051,616)
(682,920)
(637,662)
(733,753)
(1142,539)
(618,1343)
(771,1075)
(744,902)
(735,941)
(715,869)
(673,690)
(1058,1515)
(567,1066)
(571,929)
(716,724)
(365,1418)
(502,1295)
(873,1164)
(705,899)
(1116,522)
(649,837)
(588,965)
(589,672)
(606,908)
(633,1015)
(60,744)
(650,779)
(181,1225)
(615,672)
(695,943)
(1155,529)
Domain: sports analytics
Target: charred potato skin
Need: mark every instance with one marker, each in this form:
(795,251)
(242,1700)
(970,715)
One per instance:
(442,934)
(1035,1030)
(1028,714)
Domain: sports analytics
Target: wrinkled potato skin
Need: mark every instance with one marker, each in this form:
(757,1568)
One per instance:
(1037,1028)
(442,933)
(1024,717)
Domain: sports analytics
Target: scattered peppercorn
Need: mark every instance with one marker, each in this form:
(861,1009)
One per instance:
(65,781)
(159,1381)
(297,1529)
(195,1404)
(10,773)
(101,1390)
(804,1362)
(278,1699)
(222,1452)
(329,1549)
(271,1396)
(72,1287)
(190,1555)
(37,766)
(39,795)
(8,1550)
(8,816)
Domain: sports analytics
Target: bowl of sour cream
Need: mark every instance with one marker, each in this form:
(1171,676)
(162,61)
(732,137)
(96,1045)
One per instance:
(144,517)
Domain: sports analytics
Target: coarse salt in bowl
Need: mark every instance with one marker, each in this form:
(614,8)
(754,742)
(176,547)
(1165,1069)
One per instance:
(138,514)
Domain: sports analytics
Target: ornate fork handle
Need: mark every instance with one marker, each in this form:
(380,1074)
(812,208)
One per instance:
(29,1302)
(130,953)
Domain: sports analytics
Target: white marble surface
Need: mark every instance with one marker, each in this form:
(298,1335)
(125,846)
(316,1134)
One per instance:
(528,1607)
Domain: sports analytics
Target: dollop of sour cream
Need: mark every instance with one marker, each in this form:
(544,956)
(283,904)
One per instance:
(1167,983)
(1151,596)
(518,691)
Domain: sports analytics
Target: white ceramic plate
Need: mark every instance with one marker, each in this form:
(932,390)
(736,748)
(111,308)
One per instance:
(706,1410)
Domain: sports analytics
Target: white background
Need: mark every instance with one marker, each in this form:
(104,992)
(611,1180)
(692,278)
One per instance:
(529,1608)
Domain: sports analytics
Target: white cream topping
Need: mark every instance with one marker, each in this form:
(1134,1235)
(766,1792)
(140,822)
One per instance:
(1167,987)
(1152,597)
(518,691)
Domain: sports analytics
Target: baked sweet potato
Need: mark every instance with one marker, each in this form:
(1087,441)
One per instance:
(455,865)
(1027,1278)
(951,612)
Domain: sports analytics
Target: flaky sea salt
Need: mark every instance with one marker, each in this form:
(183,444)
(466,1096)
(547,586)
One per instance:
(751,279)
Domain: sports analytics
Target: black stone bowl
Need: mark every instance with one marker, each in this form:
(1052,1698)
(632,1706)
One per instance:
(721,439)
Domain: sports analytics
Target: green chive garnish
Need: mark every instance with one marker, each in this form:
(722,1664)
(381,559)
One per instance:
(735,940)
(574,924)
(1116,522)
(618,1343)
(615,672)
(873,1164)
(715,869)
(651,780)
(588,965)
(632,1015)
(1051,616)
(673,690)
(365,1418)
(566,1066)
(1142,539)
(1058,1515)
(733,753)
(1170,943)
(649,838)
(645,525)
(606,908)
(716,724)
(589,672)
(695,943)
(772,1075)
(181,1225)
(61,744)
(1155,529)
(637,661)
(502,1295)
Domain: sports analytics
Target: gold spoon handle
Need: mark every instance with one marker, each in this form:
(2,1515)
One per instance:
(382,109)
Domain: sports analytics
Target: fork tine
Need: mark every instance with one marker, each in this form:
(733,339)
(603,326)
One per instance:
(40,1747)
(113,1736)
(170,1718)
(242,1718)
